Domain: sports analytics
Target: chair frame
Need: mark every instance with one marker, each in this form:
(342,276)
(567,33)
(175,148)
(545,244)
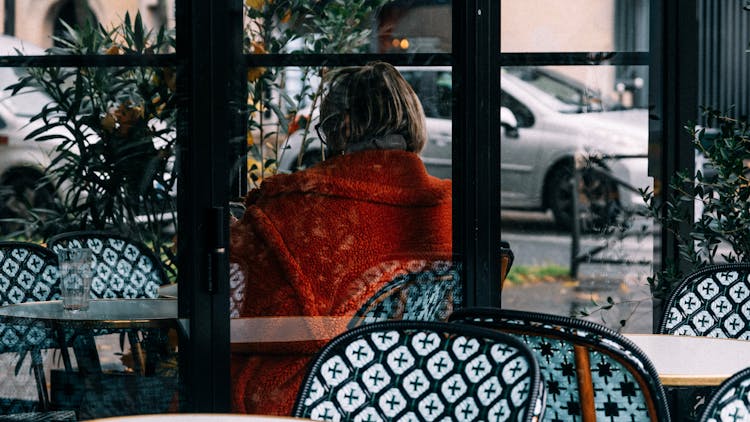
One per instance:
(691,278)
(83,234)
(536,392)
(578,332)
(37,365)
(401,284)
(727,385)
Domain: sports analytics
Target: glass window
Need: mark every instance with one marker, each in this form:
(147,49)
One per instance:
(574,26)
(341,202)
(88,158)
(574,160)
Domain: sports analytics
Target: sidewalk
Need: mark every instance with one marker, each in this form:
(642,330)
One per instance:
(629,292)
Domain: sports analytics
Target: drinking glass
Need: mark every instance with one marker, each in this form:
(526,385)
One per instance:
(76,272)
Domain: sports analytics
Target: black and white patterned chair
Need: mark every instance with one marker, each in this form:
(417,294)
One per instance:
(590,372)
(731,401)
(713,302)
(125,268)
(28,273)
(427,295)
(421,371)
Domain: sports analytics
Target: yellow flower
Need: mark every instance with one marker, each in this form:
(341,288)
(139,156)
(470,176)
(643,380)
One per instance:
(254,73)
(259,106)
(113,50)
(254,4)
(258,47)
(127,116)
(108,122)
(287,16)
(250,139)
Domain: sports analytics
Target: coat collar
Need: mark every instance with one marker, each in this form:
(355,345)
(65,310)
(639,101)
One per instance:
(381,176)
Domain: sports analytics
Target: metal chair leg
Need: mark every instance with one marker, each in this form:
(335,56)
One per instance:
(41,382)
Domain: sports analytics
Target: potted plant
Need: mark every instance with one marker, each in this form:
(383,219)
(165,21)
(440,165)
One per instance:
(718,194)
(113,131)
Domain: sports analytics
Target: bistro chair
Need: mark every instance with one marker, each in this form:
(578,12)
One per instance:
(731,401)
(421,371)
(713,301)
(125,268)
(427,295)
(591,373)
(28,273)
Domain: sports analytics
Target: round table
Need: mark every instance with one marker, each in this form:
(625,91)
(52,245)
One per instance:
(102,313)
(693,361)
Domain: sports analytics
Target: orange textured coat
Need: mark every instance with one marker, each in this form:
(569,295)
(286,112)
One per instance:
(321,242)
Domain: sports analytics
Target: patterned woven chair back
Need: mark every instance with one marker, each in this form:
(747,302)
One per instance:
(421,371)
(713,302)
(731,401)
(591,373)
(427,295)
(125,268)
(28,273)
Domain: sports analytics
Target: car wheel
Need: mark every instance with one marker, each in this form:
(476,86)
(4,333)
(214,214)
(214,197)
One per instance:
(21,194)
(598,206)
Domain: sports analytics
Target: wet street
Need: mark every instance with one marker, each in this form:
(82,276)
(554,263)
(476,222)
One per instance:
(536,241)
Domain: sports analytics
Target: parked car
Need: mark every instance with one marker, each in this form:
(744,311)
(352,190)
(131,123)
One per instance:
(22,162)
(549,121)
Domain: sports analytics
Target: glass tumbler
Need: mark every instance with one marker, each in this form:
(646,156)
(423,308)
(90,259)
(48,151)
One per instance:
(76,272)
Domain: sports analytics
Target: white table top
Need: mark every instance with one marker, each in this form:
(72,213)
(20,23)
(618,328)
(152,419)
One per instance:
(112,313)
(693,361)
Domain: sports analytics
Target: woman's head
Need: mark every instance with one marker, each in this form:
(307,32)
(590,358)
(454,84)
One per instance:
(364,105)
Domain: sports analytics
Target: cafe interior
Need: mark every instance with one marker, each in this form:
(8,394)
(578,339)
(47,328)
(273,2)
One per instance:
(374,210)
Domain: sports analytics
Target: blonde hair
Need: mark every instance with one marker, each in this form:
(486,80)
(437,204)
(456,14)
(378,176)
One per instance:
(369,102)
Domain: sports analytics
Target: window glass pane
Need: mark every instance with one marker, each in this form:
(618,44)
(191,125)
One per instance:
(88,159)
(37,22)
(99,172)
(585,126)
(345,218)
(348,27)
(580,26)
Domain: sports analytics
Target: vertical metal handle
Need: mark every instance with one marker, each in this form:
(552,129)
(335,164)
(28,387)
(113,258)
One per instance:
(217,256)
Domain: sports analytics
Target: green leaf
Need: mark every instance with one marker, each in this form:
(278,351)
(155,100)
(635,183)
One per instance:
(138,38)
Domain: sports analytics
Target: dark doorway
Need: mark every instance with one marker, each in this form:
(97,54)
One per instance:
(75,13)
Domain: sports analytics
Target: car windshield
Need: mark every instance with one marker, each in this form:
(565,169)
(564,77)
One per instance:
(561,92)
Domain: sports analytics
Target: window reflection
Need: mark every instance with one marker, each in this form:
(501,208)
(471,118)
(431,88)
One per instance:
(573,26)
(571,174)
(321,241)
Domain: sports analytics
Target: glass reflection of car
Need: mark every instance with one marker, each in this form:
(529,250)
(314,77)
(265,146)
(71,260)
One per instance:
(22,162)
(548,122)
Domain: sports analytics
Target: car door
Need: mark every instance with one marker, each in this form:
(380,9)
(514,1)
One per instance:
(433,87)
(521,167)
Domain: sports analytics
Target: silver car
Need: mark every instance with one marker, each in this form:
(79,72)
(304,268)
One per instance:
(551,125)
(22,162)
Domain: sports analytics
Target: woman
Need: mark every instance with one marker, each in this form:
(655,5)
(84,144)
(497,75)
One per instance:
(320,242)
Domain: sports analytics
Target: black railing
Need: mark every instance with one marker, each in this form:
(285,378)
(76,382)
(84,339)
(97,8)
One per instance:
(592,167)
